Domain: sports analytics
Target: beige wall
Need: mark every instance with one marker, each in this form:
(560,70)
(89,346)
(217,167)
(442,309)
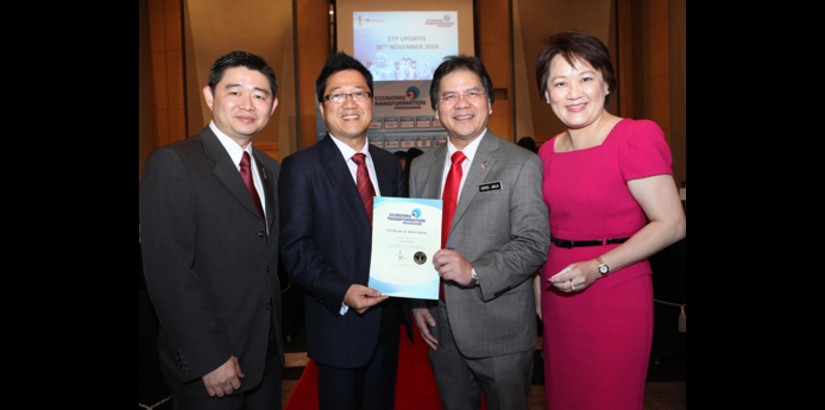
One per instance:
(536,20)
(313,46)
(262,27)
(494,44)
(647,39)
(647,42)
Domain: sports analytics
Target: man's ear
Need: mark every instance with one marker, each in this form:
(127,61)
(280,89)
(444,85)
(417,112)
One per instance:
(208,97)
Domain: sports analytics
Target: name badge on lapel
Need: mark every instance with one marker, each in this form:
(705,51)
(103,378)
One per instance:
(492,186)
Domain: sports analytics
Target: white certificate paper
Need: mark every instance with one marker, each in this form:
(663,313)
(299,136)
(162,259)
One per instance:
(406,233)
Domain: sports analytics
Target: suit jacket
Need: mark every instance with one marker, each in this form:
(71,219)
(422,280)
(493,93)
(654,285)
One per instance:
(326,241)
(500,225)
(210,270)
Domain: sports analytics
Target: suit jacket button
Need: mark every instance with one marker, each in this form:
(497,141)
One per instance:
(261,234)
(269,306)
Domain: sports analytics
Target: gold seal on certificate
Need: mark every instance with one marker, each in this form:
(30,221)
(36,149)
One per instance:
(406,233)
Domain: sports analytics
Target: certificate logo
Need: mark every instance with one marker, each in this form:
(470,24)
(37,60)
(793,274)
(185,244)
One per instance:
(415,217)
(420,257)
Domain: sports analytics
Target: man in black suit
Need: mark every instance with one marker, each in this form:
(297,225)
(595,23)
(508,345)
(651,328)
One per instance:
(326,233)
(210,248)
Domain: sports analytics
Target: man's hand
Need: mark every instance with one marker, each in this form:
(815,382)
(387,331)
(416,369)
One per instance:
(452,266)
(225,379)
(424,321)
(361,298)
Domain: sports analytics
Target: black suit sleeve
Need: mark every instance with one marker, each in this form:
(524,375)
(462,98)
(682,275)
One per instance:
(302,257)
(168,224)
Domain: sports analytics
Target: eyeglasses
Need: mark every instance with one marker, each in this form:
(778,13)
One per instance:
(472,96)
(341,97)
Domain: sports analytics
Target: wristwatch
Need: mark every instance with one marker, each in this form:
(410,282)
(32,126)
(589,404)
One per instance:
(474,279)
(603,268)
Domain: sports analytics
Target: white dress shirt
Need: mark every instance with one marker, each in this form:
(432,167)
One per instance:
(236,153)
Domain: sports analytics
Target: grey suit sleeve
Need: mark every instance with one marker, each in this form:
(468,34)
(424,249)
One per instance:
(518,259)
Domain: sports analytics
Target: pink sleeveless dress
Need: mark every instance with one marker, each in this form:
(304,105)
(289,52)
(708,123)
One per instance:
(597,342)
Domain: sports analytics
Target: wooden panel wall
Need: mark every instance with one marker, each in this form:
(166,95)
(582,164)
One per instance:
(313,47)
(647,37)
(166,54)
(262,27)
(495,48)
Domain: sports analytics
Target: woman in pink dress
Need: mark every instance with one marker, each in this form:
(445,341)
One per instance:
(609,188)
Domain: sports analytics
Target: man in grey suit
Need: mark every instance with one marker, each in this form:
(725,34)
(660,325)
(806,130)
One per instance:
(209,229)
(482,333)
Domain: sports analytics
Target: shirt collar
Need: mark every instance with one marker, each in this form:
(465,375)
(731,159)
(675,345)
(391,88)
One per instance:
(469,151)
(348,152)
(235,151)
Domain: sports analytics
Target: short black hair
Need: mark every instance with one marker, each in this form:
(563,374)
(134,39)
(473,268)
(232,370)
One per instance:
(572,45)
(455,63)
(339,61)
(528,143)
(239,58)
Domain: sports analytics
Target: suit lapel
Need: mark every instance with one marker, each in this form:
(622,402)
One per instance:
(340,178)
(435,173)
(482,163)
(226,171)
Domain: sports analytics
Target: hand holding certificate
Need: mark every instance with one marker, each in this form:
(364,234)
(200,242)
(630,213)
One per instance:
(406,233)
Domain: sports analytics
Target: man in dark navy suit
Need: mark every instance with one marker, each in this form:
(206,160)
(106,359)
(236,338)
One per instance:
(326,233)
(209,230)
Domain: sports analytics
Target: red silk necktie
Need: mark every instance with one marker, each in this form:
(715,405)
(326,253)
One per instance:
(362,177)
(450,198)
(246,175)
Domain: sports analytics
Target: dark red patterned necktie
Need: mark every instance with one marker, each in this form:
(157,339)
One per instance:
(365,188)
(246,175)
(450,198)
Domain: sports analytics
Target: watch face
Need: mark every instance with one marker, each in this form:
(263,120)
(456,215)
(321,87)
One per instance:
(603,269)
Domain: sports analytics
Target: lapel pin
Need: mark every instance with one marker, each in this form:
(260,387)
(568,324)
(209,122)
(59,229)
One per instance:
(484,165)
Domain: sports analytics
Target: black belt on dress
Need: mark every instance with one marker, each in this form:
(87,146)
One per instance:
(564,243)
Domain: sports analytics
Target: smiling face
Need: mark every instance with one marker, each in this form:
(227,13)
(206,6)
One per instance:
(465,118)
(575,93)
(241,104)
(347,120)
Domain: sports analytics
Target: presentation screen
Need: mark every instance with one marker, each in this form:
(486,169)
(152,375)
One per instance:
(445,24)
(402,43)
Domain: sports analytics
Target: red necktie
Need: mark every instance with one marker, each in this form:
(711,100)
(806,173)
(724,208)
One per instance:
(246,175)
(450,198)
(365,188)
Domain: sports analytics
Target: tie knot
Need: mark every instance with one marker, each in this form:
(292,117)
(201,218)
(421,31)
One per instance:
(245,159)
(458,157)
(358,158)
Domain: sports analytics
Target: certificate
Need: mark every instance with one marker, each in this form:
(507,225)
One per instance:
(406,233)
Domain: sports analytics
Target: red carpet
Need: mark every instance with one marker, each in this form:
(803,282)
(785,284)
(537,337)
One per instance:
(415,386)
